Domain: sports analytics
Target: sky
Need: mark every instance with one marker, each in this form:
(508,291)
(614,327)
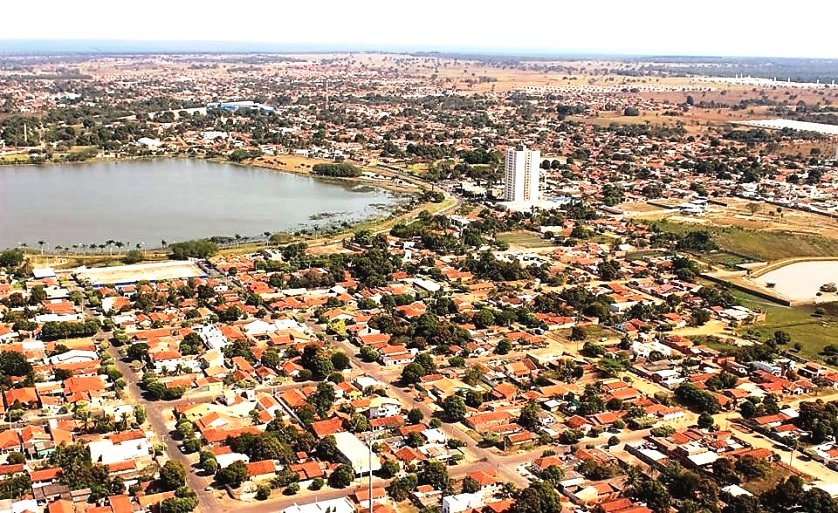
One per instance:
(802,28)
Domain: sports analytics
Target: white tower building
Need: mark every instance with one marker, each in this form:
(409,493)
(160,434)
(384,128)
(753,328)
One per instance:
(522,175)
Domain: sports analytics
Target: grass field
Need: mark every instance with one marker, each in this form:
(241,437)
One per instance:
(763,245)
(524,239)
(723,259)
(769,481)
(813,333)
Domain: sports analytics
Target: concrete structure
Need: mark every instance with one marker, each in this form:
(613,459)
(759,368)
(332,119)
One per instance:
(242,105)
(522,175)
(119,447)
(355,453)
(462,502)
(341,505)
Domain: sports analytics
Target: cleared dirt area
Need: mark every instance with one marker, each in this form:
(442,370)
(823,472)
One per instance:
(133,273)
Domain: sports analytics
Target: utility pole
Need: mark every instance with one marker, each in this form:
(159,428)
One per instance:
(369,463)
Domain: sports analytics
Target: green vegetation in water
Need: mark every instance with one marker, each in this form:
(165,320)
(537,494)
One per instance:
(325,215)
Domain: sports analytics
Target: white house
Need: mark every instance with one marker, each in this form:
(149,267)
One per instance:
(125,446)
(74,356)
(384,407)
(340,505)
(462,502)
(356,454)
(212,336)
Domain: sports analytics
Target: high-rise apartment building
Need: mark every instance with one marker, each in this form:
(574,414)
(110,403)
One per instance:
(522,175)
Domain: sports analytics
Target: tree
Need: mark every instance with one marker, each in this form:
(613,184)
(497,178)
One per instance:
(782,338)
(271,359)
(503,347)
(315,359)
(415,416)
(369,354)
(751,468)
(323,398)
(341,477)
(470,485)
(327,448)
(553,474)
(747,409)
(539,497)
(172,475)
(263,492)
(133,256)
(724,472)
(475,398)
(137,351)
(528,418)
(578,333)
(654,494)
(697,399)
(233,474)
(700,317)
(412,373)
(400,488)
(208,463)
(15,458)
(571,436)
(705,420)
(454,408)
(435,473)
(14,364)
(483,319)
(340,361)
(389,469)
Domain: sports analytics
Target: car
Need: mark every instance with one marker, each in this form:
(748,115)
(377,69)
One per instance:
(208,489)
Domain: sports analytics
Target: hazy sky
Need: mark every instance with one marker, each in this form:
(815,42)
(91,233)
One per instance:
(801,28)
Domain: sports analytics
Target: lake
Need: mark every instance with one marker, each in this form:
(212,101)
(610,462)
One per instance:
(801,281)
(146,201)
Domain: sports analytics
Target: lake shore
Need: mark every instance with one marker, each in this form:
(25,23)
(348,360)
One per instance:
(175,199)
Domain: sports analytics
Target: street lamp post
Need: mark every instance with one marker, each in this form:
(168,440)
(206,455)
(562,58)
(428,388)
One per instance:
(369,467)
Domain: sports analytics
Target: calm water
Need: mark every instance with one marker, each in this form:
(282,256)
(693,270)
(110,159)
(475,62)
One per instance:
(173,200)
(801,281)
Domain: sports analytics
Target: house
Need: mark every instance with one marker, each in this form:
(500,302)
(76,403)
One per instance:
(355,453)
(26,398)
(488,481)
(362,497)
(124,446)
(341,505)
(261,470)
(396,355)
(462,502)
(383,407)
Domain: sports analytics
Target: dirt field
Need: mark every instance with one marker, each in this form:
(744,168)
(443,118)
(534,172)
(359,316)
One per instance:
(134,273)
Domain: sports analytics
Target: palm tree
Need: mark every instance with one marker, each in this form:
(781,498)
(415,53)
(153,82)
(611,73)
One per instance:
(41,244)
(119,244)
(267,238)
(164,243)
(238,238)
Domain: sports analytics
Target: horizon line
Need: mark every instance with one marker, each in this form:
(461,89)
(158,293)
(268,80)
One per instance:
(42,46)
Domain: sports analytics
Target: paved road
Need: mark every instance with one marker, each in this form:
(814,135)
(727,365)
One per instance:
(154,413)
(473,451)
